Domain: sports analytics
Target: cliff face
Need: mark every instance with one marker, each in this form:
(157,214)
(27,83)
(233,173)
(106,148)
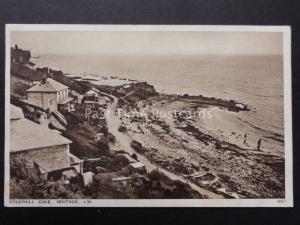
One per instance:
(18,86)
(21,78)
(26,72)
(143,90)
(27,75)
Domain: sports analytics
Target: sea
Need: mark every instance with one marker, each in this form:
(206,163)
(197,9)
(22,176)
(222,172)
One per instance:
(255,80)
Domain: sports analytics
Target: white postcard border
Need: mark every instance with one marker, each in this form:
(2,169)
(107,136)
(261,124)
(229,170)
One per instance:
(287,202)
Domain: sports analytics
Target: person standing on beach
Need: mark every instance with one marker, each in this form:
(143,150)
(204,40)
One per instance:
(245,139)
(258,144)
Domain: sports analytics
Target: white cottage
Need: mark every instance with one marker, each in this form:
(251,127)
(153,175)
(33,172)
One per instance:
(50,95)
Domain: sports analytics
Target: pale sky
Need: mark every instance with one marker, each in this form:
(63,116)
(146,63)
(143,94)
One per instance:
(148,42)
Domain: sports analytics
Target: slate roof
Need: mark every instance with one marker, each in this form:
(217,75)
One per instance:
(16,113)
(92,91)
(26,135)
(49,86)
(137,165)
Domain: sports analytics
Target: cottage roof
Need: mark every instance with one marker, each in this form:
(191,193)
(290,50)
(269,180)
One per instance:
(27,135)
(49,86)
(126,86)
(93,91)
(137,165)
(16,113)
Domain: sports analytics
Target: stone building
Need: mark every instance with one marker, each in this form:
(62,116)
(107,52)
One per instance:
(93,92)
(50,95)
(39,146)
(20,56)
(97,96)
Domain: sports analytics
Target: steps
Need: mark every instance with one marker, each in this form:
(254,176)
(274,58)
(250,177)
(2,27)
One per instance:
(60,118)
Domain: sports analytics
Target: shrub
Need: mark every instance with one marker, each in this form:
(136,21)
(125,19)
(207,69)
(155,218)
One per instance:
(122,129)
(103,144)
(137,146)
(111,138)
(156,175)
(25,183)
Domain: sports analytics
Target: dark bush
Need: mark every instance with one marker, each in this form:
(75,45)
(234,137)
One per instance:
(103,144)
(111,138)
(137,146)
(122,129)
(25,183)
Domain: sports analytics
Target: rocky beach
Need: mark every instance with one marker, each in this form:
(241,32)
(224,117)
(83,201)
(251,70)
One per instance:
(204,154)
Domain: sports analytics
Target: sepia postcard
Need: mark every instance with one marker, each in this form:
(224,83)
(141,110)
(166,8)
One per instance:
(148,116)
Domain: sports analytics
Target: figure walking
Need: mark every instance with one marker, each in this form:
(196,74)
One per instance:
(245,139)
(258,144)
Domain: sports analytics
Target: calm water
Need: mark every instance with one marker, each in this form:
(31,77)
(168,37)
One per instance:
(254,80)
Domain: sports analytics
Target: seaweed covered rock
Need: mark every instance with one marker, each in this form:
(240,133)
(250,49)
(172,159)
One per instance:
(137,146)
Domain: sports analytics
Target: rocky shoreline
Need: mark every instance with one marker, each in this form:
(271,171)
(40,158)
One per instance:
(179,145)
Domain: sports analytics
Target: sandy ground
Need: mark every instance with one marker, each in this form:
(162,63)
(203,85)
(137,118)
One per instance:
(230,127)
(123,143)
(188,146)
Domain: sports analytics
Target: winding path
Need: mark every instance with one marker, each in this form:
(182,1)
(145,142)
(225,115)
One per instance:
(123,143)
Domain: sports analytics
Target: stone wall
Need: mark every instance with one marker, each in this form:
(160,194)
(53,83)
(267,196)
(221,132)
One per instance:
(18,86)
(48,158)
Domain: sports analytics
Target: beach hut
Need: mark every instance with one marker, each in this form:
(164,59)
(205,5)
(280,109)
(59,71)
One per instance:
(137,167)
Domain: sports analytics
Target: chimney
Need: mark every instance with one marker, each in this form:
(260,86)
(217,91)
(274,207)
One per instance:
(43,81)
(37,82)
